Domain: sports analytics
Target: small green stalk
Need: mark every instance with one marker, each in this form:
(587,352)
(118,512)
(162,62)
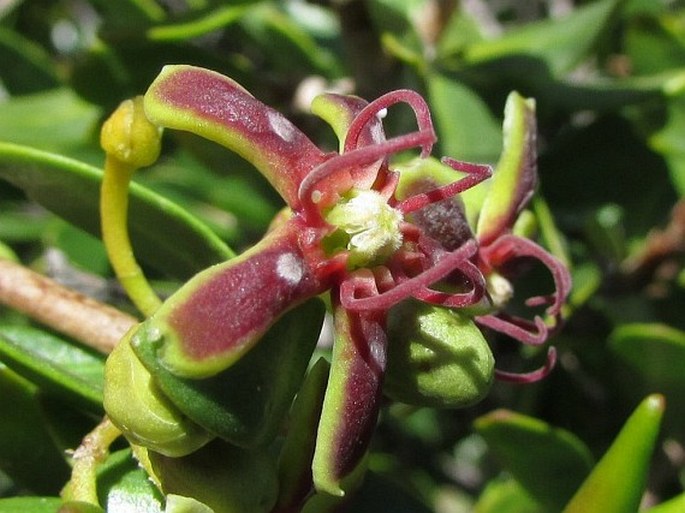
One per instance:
(93,450)
(130,142)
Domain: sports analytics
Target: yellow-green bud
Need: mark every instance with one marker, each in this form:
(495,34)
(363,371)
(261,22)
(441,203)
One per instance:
(138,408)
(129,136)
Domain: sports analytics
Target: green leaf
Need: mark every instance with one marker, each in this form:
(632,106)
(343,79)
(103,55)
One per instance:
(56,365)
(668,141)
(651,47)
(617,482)
(655,351)
(549,463)
(295,458)
(27,453)
(197,25)
(262,383)
(674,505)
(30,505)
(291,50)
(55,120)
(124,487)
(506,495)
(466,129)
(70,189)
(224,477)
(653,356)
(560,43)
(26,67)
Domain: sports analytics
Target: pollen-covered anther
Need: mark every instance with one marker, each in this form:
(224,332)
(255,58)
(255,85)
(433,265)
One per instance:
(500,290)
(372,225)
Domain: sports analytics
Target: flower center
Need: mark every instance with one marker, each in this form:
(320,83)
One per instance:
(367,227)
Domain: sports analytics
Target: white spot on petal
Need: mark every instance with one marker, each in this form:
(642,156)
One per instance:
(289,267)
(281,125)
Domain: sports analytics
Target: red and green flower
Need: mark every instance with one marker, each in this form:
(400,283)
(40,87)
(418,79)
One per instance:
(375,230)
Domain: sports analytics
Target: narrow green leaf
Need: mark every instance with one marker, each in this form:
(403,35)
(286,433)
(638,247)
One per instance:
(548,462)
(652,355)
(57,366)
(197,25)
(506,495)
(655,351)
(54,120)
(27,453)
(291,49)
(668,141)
(70,189)
(30,505)
(466,129)
(295,459)
(26,67)
(560,43)
(674,505)
(617,482)
(124,487)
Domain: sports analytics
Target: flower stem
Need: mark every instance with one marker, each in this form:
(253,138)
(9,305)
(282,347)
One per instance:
(93,450)
(130,141)
(114,219)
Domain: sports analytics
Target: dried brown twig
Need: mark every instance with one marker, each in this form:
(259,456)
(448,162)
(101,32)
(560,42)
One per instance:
(83,318)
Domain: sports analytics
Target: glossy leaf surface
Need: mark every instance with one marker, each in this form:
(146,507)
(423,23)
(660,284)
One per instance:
(617,482)
(71,190)
(26,450)
(554,466)
(30,504)
(59,367)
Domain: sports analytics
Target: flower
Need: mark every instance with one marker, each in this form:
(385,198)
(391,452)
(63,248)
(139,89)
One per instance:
(370,235)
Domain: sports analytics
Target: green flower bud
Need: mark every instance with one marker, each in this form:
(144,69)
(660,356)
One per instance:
(222,476)
(140,410)
(436,357)
(129,136)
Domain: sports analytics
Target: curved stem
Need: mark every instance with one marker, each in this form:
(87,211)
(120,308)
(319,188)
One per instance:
(93,450)
(114,225)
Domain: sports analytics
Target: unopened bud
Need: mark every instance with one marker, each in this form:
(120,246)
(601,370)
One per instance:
(129,136)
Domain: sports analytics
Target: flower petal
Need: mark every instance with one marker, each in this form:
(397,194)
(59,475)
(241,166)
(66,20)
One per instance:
(215,107)
(221,313)
(515,177)
(246,403)
(352,399)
